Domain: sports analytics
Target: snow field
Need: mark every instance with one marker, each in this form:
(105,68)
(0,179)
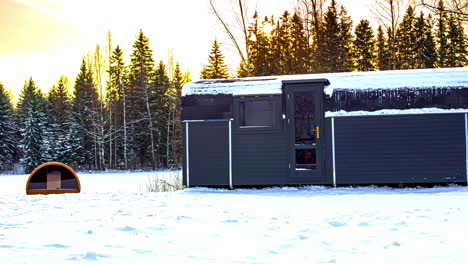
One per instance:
(200,225)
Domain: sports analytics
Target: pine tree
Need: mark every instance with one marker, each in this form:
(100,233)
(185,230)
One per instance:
(383,55)
(406,38)
(456,44)
(364,47)
(84,108)
(424,46)
(345,57)
(141,136)
(8,140)
(441,33)
(32,113)
(216,68)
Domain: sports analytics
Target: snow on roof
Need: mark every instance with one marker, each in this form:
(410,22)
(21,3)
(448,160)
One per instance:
(424,78)
(413,111)
(243,86)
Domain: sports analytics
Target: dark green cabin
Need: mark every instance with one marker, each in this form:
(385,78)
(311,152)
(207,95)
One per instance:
(389,127)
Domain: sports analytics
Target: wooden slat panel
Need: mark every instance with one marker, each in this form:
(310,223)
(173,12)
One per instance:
(400,149)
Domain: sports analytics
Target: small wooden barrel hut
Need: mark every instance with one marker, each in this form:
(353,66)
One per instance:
(53,178)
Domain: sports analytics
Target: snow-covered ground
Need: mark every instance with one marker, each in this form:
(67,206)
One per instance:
(111,221)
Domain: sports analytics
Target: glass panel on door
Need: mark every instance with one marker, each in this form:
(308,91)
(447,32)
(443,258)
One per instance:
(306,131)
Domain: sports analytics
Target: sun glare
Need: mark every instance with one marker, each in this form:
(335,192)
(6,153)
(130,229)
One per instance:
(267,29)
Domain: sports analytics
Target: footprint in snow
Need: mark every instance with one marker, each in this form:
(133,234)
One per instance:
(56,246)
(90,255)
(231,221)
(6,246)
(336,223)
(402,223)
(363,224)
(157,228)
(142,251)
(127,229)
(394,244)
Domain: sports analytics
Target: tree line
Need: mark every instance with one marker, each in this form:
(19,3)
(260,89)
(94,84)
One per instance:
(132,121)
(321,40)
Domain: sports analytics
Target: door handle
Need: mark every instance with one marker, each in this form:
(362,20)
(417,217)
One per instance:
(317,129)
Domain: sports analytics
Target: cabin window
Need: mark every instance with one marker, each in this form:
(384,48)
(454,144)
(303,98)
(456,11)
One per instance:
(256,113)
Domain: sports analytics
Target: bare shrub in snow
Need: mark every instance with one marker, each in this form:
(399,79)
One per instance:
(169,182)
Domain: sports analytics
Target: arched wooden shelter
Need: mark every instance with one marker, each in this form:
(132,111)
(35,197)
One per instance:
(53,178)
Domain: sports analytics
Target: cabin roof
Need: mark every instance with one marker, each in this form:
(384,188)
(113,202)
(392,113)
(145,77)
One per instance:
(399,79)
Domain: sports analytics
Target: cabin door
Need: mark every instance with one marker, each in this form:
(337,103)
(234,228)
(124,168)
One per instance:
(305,126)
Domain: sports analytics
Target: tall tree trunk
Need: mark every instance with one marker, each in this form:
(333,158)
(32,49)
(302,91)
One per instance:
(150,127)
(124,99)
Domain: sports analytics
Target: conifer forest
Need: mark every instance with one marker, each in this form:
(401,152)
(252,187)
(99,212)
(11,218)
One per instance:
(118,115)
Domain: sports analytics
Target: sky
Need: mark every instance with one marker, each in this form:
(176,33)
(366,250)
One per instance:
(45,39)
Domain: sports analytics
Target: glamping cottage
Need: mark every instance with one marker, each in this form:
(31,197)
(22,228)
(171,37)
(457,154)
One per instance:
(388,127)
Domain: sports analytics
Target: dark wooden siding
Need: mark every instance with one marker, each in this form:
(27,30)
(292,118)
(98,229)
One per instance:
(208,154)
(400,149)
(327,152)
(260,155)
(259,159)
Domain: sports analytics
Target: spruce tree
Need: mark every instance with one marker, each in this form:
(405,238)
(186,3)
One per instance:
(456,44)
(175,128)
(260,50)
(8,140)
(58,105)
(216,67)
(117,105)
(345,57)
(141,124)
(84,115)
(424,46)
(281,46)
(300,50)
(392,44)
(205,73)
(73,154)
(383,55)
(328,50)
(406,38)
(441,34)
(161,109)
(32,112)
(364,47)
